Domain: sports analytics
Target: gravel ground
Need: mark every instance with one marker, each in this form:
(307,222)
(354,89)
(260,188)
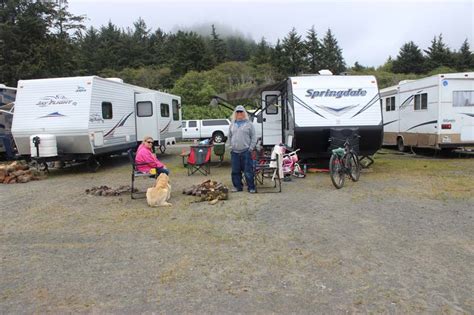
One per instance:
(401,240)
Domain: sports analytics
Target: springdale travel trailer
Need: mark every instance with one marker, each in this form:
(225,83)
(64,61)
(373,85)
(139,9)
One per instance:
(301,111)
(434,112)
(78,118)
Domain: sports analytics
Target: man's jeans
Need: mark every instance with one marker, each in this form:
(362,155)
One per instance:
(242,162)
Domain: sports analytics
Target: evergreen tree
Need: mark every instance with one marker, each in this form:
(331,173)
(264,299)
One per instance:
(262,53)
(239,49)
(217,46)
(409,59)
(332,54)
(314,51)
(465,58)
(438,54)
(190,53)
(358,67)
(277,60)
(294,52)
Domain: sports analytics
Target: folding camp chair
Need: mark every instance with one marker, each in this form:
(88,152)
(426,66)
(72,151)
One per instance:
(219,151)
(199,159)
(136,173)
(269,168)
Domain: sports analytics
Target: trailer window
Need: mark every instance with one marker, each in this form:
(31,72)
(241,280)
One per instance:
(463,98)
(271,102)
(192,123)
(390,104)
(106,110)
(175,106)
(421,101)
(165,110)
(144,109)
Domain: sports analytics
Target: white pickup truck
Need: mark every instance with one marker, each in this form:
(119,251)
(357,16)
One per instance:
(217,129)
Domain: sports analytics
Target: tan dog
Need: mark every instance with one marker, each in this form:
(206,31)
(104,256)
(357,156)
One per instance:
(158,195)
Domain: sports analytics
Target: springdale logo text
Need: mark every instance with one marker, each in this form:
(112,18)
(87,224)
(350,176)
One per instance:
(335,93)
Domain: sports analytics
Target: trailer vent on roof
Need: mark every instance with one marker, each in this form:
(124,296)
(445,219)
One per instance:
(115,80)
(325,72)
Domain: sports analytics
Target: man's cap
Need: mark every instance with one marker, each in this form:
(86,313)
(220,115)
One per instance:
(240,108)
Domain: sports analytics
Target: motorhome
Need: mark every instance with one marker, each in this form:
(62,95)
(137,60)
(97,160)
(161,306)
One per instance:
(434,112)
(302,110)
(78,118)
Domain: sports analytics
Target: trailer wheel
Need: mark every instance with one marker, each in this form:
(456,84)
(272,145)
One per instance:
(218,137)
(400,145)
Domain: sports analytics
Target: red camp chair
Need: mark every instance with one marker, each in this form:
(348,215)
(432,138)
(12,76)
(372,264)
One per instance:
(199,159)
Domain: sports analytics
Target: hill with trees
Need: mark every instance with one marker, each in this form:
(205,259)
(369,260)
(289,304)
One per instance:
(43,39)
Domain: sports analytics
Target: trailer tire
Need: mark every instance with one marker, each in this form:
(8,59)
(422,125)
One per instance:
(400,145)
(218,137)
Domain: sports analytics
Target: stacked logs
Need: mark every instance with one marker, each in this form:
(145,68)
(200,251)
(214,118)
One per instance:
(208,190)
(107,191)
(18,172)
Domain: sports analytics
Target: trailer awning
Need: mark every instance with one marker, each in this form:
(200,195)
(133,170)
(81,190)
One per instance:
(251,93)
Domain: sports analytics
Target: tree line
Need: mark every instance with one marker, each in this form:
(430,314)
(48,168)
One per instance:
(41,39)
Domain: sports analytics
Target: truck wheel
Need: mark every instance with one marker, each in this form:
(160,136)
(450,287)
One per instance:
(218,137)
(400,145)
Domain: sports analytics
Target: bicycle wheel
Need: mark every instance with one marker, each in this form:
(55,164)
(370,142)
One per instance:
(336,170)
(298,172)
(353,166)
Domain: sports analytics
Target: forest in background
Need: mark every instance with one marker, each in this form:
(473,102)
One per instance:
(41,39)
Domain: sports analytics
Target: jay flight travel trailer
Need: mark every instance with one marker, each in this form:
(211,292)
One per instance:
(79,118)
(434,112)
(302,110)
(7,99)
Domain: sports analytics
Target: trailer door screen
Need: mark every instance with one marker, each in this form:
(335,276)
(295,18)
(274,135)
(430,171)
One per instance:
(463,98)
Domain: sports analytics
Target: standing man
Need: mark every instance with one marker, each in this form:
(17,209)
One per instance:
(242,142)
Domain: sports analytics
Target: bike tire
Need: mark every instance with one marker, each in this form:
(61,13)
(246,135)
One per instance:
(354,167)
(298,172)
(336,171)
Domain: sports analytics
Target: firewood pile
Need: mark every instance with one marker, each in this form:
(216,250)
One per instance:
(107,191)
(208,190)
(19,172)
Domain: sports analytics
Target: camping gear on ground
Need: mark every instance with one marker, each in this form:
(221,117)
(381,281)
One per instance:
(199,159)
(136,173)
(208,190)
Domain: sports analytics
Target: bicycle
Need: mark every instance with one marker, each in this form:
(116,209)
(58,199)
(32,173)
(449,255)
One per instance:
(343,162)
(291,167)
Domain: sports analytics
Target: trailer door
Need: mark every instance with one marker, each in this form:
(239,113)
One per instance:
(271,118)
(146,114)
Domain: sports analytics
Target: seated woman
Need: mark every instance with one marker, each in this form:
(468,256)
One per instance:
(146,160)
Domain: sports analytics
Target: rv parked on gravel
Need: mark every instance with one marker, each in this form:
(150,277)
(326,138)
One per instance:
(7,99)
(79,118)
(301,111)
(434,112)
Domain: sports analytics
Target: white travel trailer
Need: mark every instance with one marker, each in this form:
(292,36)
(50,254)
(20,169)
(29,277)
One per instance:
(434,112)
(301,111)
(82,117)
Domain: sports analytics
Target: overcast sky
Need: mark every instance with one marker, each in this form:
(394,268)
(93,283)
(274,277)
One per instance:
(367,31)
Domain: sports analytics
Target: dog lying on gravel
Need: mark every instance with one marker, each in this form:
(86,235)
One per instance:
(159,195)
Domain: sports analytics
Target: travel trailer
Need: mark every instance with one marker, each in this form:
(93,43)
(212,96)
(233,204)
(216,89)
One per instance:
(7,99)
(79,118)
(434,112)
(301,111)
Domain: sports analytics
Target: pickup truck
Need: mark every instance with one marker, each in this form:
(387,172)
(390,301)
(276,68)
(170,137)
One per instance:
(217,129)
